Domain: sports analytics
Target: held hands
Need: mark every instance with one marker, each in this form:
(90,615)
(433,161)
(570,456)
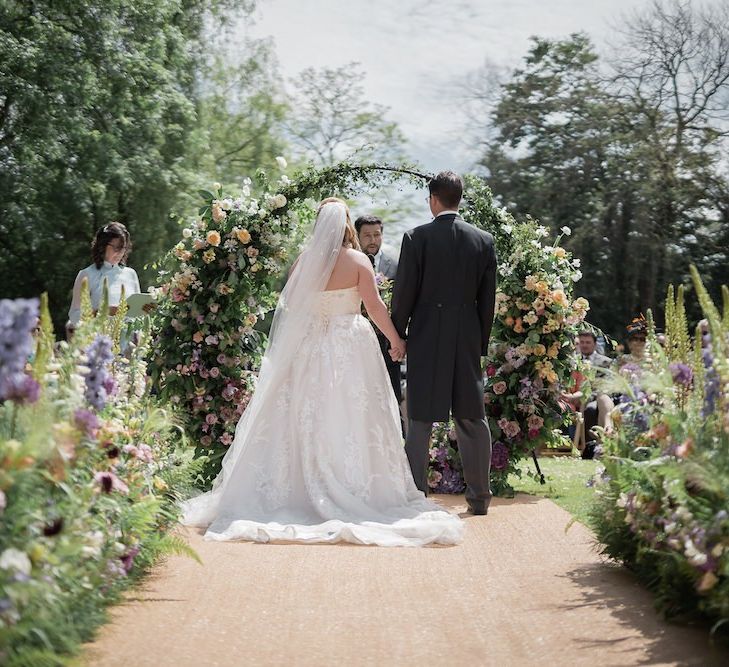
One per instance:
(398,349)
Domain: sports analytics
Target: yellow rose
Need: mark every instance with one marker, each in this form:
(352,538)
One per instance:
(208,256)
(559,297)
(213,238)
(560,253)
(530,283)
(540,350)
(244,236)
(509,321)
(542,287)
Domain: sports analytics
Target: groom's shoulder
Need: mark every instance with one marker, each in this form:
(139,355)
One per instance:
(420,230)
(474,231)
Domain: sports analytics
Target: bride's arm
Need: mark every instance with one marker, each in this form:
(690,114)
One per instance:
(376,308)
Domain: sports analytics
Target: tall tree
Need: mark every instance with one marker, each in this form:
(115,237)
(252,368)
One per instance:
(97,106)
(331,118)
(637,178)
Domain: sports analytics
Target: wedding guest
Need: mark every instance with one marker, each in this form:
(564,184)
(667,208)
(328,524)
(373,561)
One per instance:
(598,406)
(369,234)
(637,337)
(587,342)
(109,250)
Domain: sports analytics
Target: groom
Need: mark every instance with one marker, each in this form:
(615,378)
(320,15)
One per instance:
(444,300)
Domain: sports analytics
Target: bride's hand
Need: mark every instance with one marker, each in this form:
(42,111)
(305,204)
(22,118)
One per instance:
(398,350)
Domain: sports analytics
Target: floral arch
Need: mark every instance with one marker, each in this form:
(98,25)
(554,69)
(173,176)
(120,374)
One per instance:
(220,284)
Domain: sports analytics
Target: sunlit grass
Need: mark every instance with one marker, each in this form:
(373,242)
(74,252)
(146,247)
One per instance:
(566,485)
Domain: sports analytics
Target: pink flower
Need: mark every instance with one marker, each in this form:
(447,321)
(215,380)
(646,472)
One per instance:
(491,370)
(226,439)
(214,372)
(109,482)
(222,358)
(533,433)
(535,422)
(211,419)
(499,387)
(211,340)
(206,441)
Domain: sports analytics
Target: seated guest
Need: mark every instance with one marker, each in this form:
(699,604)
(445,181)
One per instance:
(109,250)
(637,336)
(588,350)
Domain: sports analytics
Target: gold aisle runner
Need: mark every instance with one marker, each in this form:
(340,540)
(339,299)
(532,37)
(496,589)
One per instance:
(518,591)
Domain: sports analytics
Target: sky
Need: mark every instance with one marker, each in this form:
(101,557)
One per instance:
(417,54)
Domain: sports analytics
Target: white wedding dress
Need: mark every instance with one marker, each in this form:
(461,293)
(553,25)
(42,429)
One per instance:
(318,456)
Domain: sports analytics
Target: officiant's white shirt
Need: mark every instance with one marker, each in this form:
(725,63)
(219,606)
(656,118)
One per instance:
(117,276)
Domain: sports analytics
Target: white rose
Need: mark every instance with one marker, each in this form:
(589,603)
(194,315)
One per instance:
(216,187)
(566,231)
(226,204)
(186,233)
(14,559)
(262,213)
(280,200)
(281,162)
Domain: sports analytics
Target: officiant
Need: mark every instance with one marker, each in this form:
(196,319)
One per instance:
(109,251)
(369,233)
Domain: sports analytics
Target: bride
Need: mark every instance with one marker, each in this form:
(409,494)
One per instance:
(318,454)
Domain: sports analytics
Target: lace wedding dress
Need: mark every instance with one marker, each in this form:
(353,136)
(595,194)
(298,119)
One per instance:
(318,455)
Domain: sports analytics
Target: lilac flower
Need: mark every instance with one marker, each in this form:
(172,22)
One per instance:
(499,456)
(681,373)
(17,320)
(99,382)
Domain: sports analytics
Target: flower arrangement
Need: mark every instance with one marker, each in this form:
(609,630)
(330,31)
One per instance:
(88,473)
(662,499)
(214,298)
(536,320)
(445,471)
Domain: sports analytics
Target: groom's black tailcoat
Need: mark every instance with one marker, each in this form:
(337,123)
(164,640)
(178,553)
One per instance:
(443,298)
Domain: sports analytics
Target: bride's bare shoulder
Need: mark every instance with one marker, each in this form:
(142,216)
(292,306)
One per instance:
(352,257)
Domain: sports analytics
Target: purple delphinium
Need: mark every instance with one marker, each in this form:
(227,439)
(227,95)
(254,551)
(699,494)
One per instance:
(499,456)
(99,382)
(18,317)
(681,373)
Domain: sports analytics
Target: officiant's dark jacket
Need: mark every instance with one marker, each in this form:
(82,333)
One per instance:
(443,298)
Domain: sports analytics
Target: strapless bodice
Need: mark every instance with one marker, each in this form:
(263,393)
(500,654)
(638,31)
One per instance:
(339,302)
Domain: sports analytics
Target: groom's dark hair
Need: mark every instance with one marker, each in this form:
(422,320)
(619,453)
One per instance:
(366,220)
(448,187)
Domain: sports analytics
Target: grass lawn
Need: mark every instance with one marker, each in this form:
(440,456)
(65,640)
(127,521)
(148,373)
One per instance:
(566,479)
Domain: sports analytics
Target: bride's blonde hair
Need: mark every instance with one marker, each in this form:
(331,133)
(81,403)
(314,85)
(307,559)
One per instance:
(350,233)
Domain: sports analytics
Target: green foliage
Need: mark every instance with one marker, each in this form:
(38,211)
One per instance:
(661,503)
(87,496)
(97,121)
